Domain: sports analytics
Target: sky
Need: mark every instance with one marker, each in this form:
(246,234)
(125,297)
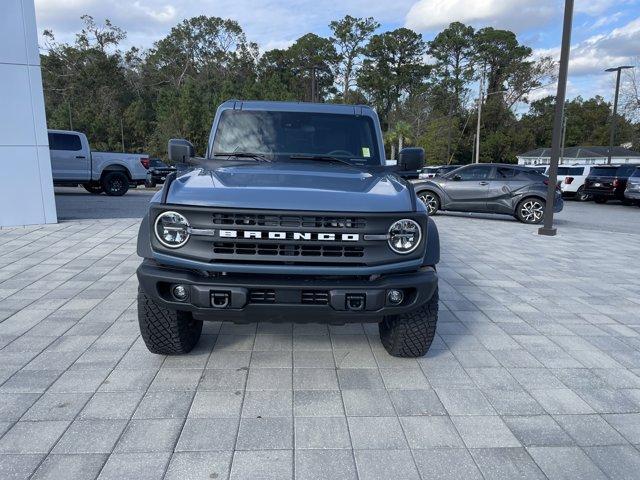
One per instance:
(606,33)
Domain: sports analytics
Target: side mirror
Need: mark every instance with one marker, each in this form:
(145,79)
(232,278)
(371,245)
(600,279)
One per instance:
(411,159)
(180,150)
(457,178)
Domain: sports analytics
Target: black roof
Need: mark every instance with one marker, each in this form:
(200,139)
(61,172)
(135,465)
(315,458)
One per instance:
(583,152)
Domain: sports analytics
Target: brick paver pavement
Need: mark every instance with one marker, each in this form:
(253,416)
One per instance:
(534,371)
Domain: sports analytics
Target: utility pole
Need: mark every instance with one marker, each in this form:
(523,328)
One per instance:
(313,84)
(450,128)
(548,228)
(615,108)
(473,147)
(480,101)
(70,122)
(122,132)
(564,136)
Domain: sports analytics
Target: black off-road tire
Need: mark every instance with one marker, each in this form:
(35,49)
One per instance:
(94,188)
(410,335)
(166,332)
(115,184)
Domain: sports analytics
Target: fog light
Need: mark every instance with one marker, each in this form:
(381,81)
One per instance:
(180,292)
(395,297)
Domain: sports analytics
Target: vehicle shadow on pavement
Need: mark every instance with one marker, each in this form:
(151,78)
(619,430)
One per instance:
(78,204)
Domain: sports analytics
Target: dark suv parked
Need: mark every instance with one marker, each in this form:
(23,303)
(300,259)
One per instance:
(489,188)
(608,182)
(158,172)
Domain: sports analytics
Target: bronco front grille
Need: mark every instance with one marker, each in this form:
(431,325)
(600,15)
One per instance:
(251,219)
(282,237)
(287,249)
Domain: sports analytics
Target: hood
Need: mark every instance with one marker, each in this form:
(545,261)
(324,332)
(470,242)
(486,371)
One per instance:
(292,186)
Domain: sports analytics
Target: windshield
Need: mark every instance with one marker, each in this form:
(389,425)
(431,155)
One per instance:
(280,135)
(570,170)
(603,171)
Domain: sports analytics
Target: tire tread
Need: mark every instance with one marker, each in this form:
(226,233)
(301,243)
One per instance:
(410,335)
(166,332)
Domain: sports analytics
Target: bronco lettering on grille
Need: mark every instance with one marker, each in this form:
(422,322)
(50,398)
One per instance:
(257,234)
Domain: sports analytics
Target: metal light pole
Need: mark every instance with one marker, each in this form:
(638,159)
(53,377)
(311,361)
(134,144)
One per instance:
(480,100)
(615,108)
(548,228)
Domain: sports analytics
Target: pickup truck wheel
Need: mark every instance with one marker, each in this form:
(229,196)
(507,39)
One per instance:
(115,184)
(410,335)
(94,188)
(166,332)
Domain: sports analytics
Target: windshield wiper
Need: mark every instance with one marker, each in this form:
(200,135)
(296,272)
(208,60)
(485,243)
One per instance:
(256,156)
(323,158)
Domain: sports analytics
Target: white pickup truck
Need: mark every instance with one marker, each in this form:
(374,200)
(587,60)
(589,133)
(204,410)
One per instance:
(73,163)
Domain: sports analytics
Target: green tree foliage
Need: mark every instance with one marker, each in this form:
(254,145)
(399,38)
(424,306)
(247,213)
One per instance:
(393,68)
(453,50)
(349,37)
(85,83)
(423,91)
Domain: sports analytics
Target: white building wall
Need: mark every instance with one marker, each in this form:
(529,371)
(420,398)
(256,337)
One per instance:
(573,160)
(26,187)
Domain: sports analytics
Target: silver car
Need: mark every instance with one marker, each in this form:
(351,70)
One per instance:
(489,188)
(632,192)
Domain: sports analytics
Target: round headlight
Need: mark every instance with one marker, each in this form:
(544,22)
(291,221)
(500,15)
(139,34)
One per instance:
(172,229)
(404,236)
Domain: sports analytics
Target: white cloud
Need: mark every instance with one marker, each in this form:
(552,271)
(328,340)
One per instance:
(279,44)
(429,15)
(163,13)
(593,55)
(595,7)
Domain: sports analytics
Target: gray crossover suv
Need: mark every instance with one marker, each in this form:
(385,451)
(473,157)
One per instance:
(489,188)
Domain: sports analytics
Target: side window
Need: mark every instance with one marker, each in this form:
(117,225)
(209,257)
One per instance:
(63,141)
(477,172)
(505,173)
(626,170)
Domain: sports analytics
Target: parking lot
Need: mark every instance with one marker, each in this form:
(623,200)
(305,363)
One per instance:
(535,371)
(77,204)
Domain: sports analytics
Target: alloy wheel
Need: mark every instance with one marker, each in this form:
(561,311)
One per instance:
(532,211)
(430,202)
(116,185)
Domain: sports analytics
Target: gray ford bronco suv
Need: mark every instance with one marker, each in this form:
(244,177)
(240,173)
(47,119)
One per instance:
(291,215)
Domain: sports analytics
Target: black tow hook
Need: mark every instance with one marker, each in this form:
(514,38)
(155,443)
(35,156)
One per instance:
(220,299)
(355,301)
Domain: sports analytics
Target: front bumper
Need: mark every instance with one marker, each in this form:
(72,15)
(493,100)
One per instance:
(608,194)
(280,298)
(632,194)
(558,204)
